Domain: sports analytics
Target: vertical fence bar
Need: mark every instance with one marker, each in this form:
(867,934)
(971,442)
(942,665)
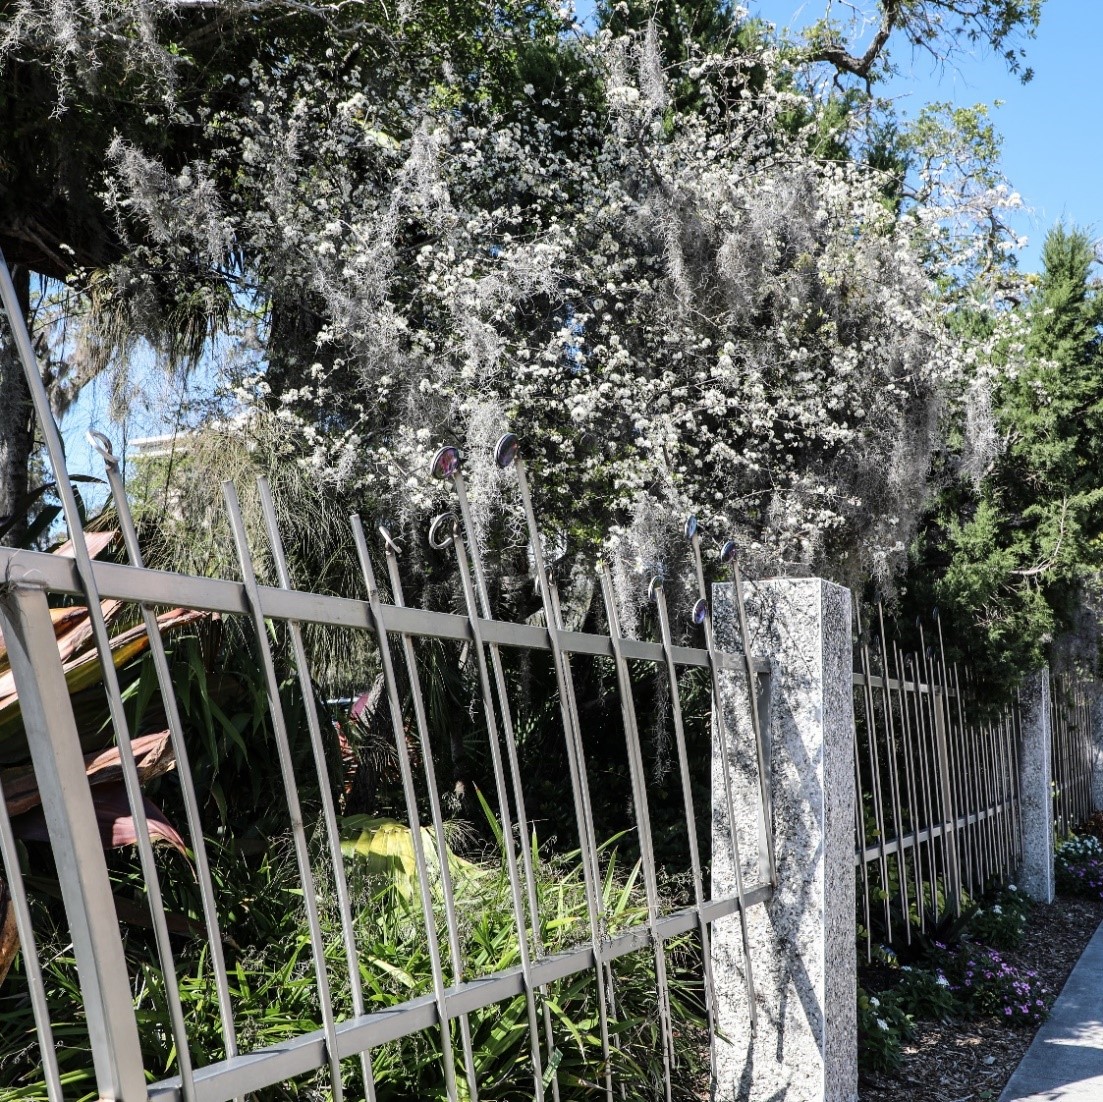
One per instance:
(180,749)
(504,455)
(919,705)
(656,591)
(915,821)
(1007,748)
(643,820)
(119,724)
(1085,742)
(1058,771)
(894,780)
(422,723)
(958,743)
(36,987)
(503,810)
(1002,773)
(947,810)
(974,804)
(875,768)
(505,452)
(1000,736)
(410,796)
(999,855)
(1077,745)
(75,840)
(984,821)
(290,786)
(577,765)
(1016,775)
(863,843)
(329,813)
(1085,752)
(972,801)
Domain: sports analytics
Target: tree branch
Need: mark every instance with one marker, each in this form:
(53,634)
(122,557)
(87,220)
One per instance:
(835,53)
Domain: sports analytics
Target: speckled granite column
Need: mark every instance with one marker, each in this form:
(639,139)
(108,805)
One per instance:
(803,940)
(1036,787)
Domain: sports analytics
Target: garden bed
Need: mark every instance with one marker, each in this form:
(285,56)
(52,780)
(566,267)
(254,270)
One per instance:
(971,1060)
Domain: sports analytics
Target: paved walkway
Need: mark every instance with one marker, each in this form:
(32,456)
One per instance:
(1065,1061)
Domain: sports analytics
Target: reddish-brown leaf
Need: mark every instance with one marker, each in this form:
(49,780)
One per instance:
(153,754)
(9,937)
(84,669)
(113,817)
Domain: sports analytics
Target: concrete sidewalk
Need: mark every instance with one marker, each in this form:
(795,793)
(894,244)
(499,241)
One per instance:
(1065,1061)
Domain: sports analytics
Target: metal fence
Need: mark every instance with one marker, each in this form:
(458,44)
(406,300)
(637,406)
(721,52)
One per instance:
(354,1028)
(938,812)
(1072,753)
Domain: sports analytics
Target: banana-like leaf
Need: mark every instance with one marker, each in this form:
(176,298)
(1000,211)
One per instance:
(9,938)
(81,672)
(113,817)
(153,755)
(385,847)
(96,542)
(73,631)
(64,618)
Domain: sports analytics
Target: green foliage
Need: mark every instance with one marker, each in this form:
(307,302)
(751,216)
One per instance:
(273,991)
(1006,558)
(1079,867)
(1000,923)
(883,1027)
(926,993)
(956,971)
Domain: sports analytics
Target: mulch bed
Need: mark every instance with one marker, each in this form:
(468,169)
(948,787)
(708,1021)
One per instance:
(971,1061)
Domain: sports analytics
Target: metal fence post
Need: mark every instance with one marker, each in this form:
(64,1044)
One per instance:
(75,839)
(802,940)
(1036,793)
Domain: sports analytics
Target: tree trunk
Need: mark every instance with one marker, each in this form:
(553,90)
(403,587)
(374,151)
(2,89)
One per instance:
(16,425)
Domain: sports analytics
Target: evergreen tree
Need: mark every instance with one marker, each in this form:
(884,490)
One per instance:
(1009,560)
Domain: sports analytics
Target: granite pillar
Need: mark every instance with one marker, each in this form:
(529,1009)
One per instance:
(1036,787)
(802,941)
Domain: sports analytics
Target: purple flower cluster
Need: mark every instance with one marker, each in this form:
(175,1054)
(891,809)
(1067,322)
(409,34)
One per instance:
(988,984)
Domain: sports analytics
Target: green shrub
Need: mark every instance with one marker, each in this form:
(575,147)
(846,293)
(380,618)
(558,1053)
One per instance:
(1002,923)
(926,993)
(883,1027)
(273,992)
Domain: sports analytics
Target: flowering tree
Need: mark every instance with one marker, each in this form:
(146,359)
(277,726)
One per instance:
(665,269)
(678,309)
